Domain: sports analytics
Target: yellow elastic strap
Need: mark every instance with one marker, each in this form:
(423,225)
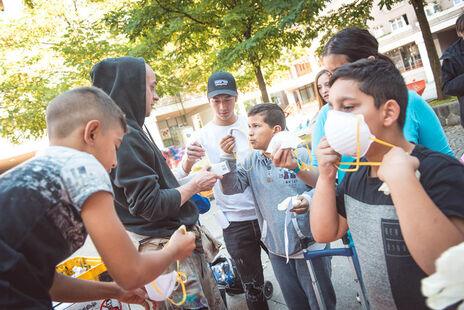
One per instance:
(358,147)
(303,166)
(181,278)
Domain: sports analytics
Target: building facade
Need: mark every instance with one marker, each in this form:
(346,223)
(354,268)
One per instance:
(399,36)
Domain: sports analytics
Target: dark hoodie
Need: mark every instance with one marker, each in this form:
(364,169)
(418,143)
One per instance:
(145,196)
(452,73)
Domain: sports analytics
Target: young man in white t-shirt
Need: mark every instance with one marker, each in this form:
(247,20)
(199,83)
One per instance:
(242,235)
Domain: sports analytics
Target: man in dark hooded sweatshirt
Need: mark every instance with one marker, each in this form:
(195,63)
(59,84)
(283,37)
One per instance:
(452,69)
(148,199)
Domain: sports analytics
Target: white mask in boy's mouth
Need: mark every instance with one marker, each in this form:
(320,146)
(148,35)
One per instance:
(349,135)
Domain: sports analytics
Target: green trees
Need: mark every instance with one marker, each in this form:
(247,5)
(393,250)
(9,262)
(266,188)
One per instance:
(53,45)
(245,36)
(44,51)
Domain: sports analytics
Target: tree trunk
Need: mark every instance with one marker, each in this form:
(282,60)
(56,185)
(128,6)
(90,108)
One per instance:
(429,45)
(261,83)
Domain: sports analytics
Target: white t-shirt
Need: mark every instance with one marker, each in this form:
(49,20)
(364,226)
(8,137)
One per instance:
(238,207)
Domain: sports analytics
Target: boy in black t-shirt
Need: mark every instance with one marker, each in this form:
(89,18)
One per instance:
(49,203)
(404,207)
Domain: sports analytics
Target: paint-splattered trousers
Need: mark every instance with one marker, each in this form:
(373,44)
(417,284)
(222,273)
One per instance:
(243,242)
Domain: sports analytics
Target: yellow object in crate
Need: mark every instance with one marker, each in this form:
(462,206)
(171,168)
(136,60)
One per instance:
(93,267)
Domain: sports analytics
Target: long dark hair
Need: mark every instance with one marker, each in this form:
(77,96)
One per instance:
(320,100)
(355,43)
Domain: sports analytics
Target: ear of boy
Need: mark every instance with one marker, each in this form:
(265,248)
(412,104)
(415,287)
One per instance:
(276,129)
(91,130)
(390,113)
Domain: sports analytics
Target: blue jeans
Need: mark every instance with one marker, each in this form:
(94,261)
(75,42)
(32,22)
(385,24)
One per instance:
(243,242)
(295,282)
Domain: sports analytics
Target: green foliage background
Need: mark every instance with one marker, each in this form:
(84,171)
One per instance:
(52,47)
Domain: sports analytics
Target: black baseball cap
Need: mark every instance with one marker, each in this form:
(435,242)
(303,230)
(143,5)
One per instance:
(221,83)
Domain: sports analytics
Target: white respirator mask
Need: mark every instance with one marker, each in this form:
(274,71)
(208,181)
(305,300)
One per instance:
(162,287)
(349,135)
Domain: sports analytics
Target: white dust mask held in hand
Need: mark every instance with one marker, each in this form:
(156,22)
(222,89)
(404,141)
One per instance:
(287,140)
(162,287)
(241,139)
(349,135)
(446,286)
(284,139)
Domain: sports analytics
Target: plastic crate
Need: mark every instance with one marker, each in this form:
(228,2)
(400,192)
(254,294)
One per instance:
(94,268)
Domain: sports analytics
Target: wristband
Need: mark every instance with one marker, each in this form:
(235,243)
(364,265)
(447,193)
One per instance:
(297,169)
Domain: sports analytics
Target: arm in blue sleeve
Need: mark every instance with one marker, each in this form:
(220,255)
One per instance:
(236,181)
(318,132)
(422,125)
(137,176)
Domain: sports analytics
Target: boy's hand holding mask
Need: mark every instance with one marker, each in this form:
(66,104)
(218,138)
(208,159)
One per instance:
(302,207)
(181,243)
(295,204)
(227,144)
(283,158)
(326,158)
(397,165)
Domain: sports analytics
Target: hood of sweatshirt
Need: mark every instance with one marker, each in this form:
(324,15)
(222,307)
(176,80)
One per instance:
(123,79)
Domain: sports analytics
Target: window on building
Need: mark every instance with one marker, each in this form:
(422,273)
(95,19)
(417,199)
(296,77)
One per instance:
(171,131)
(458,1)
(399,22)
(306,93)
(431,9)
(379,31)
(406,58)
(303,68)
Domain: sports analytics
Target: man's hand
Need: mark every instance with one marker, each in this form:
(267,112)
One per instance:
(227,144)
(194,152)
(181,244)
(397,165)
(302,207)
(283,158)
(136,296)
(205,180)
(326,158)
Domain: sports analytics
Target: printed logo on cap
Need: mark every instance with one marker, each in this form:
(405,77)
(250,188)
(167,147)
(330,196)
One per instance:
(221,83)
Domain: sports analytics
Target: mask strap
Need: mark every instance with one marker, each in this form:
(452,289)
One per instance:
(181,278)
(241,162)
(358,147)
(301,164)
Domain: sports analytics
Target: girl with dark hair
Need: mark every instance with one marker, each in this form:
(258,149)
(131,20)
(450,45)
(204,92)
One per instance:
(421,126)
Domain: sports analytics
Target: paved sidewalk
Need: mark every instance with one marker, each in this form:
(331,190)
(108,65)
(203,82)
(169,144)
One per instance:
(455,135)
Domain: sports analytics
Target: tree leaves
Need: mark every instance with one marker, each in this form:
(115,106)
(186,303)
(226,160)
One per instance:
(54,46)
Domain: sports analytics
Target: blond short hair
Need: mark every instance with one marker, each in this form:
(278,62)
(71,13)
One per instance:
(78,106)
